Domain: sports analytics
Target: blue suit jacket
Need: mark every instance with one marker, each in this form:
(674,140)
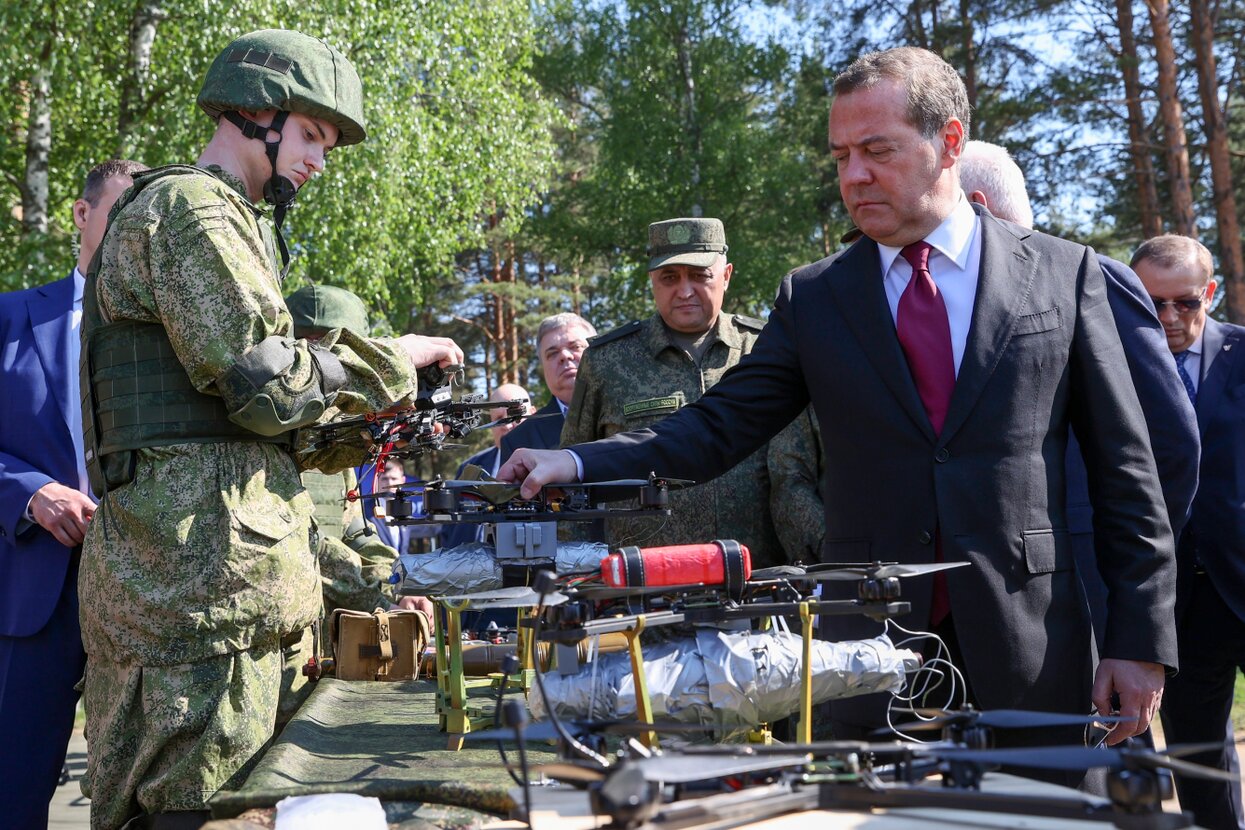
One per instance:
(1215,533)
(459,534)
(36,447)
(541,433)
(1169,420)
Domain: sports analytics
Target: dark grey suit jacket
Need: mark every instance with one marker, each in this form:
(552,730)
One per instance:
(1042,354)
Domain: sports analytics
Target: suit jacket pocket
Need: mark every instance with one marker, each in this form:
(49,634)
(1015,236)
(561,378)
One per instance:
(845,550)
(1047,551)
(1037,322)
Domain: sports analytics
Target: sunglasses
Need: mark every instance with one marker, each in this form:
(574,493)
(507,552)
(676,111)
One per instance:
(1185,306)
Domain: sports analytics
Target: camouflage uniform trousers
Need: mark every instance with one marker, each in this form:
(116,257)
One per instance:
(175,734)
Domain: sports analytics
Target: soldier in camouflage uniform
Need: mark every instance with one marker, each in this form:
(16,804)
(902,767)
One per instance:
(198,562)
(795,470)
(354,565)
(638,374)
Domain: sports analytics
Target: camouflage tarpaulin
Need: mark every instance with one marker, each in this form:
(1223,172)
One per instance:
(378,739)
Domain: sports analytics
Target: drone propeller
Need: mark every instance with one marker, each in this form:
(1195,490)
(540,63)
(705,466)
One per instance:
(830,572)
(1082,758)
(545,730)
(684,769)
(1001,719)
(519,596)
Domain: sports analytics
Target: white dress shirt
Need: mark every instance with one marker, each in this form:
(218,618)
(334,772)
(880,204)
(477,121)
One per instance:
(74,416)
(955,264)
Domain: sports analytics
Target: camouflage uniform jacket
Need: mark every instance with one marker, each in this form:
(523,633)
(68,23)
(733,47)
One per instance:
(207,550)
(795,469)
(354,565)
(636,375)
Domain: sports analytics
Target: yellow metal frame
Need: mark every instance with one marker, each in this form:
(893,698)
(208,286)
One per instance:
(456,713)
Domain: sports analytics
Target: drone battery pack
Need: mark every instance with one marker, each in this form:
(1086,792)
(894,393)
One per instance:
(722,562)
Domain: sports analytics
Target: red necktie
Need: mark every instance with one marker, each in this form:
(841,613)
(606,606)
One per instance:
(925,336)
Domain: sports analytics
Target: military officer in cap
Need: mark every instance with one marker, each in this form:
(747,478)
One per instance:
(198,564)
(638,374)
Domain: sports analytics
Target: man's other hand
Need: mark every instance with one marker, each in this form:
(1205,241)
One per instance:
(536,468)
(424,351)
(1140,687)
(63,512)
(421,604)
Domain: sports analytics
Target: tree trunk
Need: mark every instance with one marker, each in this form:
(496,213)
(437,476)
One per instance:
(1139,146)
(691,121)
(34,186)
(1174,142)
(970,58)
(134,102)
(1231,267)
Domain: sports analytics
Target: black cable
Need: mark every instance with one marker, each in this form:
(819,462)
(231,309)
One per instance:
(508,665)
(543,582)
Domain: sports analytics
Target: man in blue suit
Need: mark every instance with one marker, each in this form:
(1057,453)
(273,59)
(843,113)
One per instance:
(487,459)
(1210,589)
(45,505)
(991,178)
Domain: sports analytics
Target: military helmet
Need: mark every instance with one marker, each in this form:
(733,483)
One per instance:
(318,308)
(287,71)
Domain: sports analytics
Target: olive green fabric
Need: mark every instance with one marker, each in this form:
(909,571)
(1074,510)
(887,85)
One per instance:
(379,739)
(284,70)
(317,309)
(144,398)
(697,242)
(795,471)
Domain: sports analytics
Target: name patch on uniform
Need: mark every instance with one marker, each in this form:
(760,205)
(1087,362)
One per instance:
(650,405)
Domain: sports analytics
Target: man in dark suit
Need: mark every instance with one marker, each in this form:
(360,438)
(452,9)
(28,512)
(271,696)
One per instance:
(1210,599)
(946,353)
(990,178)
(488,460)
(560,342)
(45,505)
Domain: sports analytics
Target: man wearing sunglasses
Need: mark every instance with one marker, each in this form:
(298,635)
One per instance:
(1210,595)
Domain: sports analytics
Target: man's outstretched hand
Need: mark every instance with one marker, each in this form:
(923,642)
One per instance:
(536,468)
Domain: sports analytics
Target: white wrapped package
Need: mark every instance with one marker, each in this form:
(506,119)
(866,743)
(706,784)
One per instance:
(474,566)
(729,680)
(330,811)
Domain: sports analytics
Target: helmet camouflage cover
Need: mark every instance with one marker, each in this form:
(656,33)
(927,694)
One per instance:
(284,70)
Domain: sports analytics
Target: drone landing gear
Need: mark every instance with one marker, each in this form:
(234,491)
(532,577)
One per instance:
(457,714)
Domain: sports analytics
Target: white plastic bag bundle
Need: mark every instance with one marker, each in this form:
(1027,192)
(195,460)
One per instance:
(729,680)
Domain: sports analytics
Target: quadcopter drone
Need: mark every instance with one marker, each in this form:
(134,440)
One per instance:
(422,427)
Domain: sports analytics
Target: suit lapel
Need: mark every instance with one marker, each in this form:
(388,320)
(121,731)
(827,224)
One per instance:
(50,327)
(550,427)
(1004,280)
(855,283)
(1216,366)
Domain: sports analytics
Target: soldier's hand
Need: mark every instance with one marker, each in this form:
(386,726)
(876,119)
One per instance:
(422,604)
(536,468)
(62,511)
(424,351)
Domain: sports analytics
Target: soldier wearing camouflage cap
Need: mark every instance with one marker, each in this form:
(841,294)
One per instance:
(638,374)
(198,568)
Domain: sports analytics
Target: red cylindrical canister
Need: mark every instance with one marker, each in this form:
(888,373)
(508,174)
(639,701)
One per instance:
(675,565)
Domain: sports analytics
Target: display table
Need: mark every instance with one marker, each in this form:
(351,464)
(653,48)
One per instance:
(380,739)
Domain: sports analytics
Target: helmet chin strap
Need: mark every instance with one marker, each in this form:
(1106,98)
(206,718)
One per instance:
(278,190)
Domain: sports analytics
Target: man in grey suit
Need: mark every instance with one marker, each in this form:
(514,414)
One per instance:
(946,353)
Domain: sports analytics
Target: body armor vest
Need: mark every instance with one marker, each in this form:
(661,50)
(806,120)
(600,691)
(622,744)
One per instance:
(135,392)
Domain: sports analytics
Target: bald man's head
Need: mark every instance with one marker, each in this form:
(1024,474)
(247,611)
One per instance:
(507,392)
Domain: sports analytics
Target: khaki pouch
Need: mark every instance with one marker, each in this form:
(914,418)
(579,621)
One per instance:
(382,645)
